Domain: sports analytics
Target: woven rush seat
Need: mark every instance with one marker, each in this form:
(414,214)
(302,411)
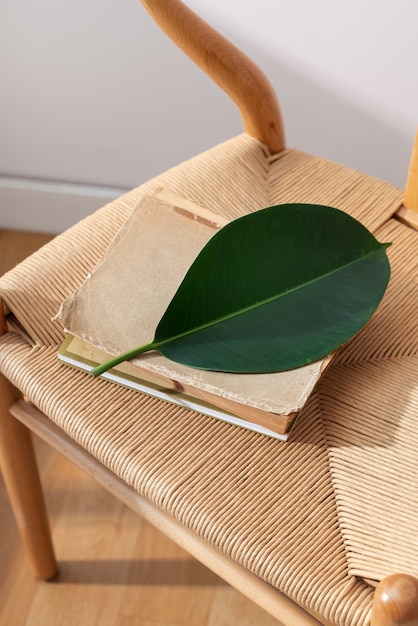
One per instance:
(311,529)
(293,514)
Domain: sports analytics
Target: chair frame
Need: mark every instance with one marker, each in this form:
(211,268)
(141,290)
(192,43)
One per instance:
(396,598)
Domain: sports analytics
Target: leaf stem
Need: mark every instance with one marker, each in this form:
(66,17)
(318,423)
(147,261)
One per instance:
(120,358)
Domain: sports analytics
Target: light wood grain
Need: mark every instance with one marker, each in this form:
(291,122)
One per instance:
(408,217)
(396,602)
(411,191)
(19,468)
(17,245)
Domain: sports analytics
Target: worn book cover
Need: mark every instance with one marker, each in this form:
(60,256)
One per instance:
(120,304)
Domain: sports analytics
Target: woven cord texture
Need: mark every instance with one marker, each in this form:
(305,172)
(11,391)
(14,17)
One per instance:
(234,178)
(370,406)
(269,506)
(204,472)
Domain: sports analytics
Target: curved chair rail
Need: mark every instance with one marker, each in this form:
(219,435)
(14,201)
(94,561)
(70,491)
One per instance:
(231,69)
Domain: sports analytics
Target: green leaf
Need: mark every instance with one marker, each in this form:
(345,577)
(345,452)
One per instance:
(272,291)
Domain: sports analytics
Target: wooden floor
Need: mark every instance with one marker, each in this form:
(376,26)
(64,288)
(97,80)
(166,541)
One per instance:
(115,569)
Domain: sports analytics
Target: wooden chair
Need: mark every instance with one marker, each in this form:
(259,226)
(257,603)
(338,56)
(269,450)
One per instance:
(321,529)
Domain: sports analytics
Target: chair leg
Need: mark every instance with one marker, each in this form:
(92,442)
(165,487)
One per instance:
(396,601)
(21,476)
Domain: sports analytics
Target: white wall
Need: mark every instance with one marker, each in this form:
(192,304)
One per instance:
(94,94)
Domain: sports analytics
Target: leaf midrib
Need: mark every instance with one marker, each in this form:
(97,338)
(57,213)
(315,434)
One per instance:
(154,345)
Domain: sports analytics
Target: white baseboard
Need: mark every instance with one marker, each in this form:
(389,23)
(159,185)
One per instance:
(47,206)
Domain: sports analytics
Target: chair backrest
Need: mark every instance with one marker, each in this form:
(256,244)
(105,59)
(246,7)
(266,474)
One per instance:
(232,70)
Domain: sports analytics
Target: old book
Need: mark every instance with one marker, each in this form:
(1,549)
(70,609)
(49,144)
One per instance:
(82,355)
(120,304)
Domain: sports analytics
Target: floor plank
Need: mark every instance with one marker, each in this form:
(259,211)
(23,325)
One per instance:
(115,569)
(17,245)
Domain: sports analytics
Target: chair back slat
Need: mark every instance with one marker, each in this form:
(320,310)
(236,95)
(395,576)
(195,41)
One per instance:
(411,191)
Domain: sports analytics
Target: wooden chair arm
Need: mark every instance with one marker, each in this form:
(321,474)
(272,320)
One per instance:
(408,213)
(232,70)
(411,191)
(396,601)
